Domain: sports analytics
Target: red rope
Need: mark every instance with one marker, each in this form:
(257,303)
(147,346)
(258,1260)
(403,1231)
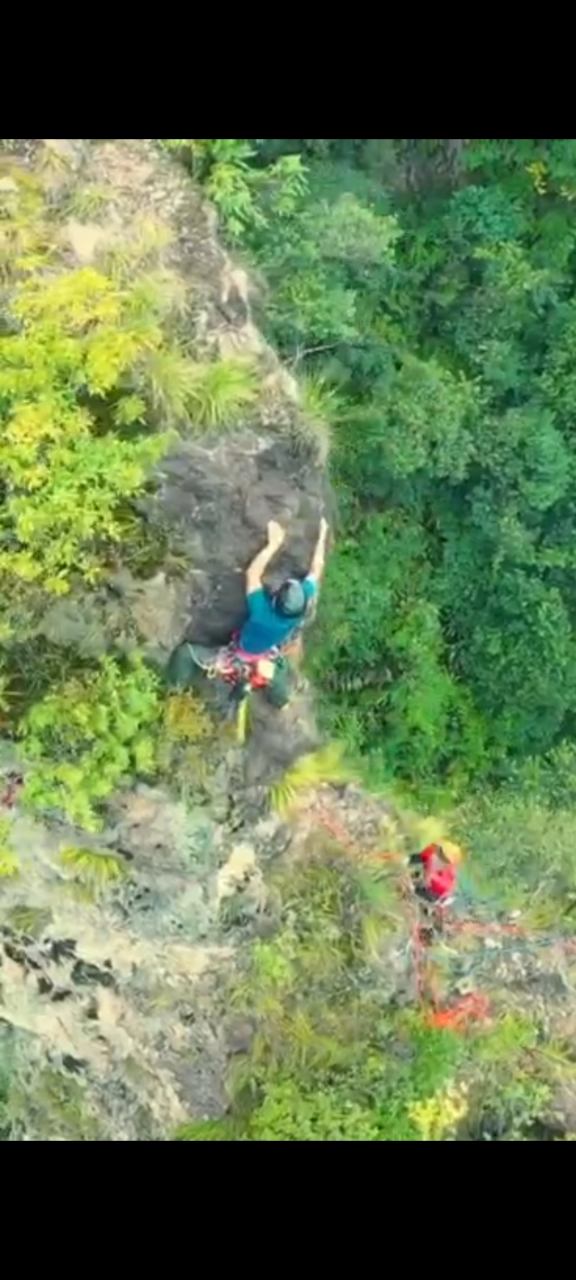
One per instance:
(471,1008)
(456,1015)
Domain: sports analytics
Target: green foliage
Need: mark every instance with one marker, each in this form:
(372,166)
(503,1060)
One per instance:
(327,1063)
(89,202)
(321,407)
(523,852)
(93,873)
(186,719)
(435,339)
(87,378)
(9,865)
(437,1117)
(245,197)
(220,391)
(446,324)
(207,395)
(330,1061)
(510,1095)
(44,1104)
(309,771)
(76,346)
(225,1130)
(84,738)
(320,263)
(188,743)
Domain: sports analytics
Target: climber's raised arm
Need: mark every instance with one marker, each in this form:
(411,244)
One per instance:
(256,569)
(319,557)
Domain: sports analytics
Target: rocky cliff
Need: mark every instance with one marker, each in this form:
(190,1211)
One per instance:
(114,1014)
(215,492)
(118,991)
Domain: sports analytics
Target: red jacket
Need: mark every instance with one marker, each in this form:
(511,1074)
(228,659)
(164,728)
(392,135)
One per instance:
(440,877)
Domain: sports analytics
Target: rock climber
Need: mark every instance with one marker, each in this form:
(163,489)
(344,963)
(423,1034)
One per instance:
(274,618)
(434,873)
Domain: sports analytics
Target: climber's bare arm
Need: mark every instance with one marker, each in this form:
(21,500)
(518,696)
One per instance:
(319,557)
(255,571)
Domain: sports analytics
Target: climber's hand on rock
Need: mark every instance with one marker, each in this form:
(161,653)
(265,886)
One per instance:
(260,563)
(324,527)
(276,534)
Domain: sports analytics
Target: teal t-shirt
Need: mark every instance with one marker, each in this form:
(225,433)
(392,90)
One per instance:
(265,629)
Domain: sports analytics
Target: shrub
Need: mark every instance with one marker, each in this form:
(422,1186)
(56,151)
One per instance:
(188,743)
(327,1062)
(92,872)
(82,739)
(68,362)
(309,771)
(321,407)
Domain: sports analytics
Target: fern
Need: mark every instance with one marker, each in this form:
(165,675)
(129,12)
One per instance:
(324,766)
(30,921)
(147,242)
(86,203)
(321,407)
(168,377)
(220,391)
(93,872)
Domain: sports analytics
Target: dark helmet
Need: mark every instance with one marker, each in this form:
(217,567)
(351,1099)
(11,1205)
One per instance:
(290,599)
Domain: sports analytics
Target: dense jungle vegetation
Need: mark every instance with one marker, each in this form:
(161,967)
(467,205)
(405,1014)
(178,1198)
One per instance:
(434,327)
(423,295)
(423,291)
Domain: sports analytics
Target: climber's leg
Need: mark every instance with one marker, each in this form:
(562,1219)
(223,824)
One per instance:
(278,691)
(189,664)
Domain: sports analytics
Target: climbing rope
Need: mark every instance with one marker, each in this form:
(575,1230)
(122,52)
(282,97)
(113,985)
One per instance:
(474,1006)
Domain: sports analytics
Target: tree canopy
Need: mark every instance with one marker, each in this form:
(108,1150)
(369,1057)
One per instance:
(444,314)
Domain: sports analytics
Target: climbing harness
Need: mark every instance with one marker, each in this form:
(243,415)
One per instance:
(237,668)
(243,673)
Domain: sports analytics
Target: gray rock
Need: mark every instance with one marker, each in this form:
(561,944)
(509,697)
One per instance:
(159,609)
(215,501)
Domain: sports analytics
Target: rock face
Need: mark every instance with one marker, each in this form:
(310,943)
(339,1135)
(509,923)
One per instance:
(215,492)
(123,989)
(217,498)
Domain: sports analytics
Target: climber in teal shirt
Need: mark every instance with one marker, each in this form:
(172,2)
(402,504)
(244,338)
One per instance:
(272,619)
